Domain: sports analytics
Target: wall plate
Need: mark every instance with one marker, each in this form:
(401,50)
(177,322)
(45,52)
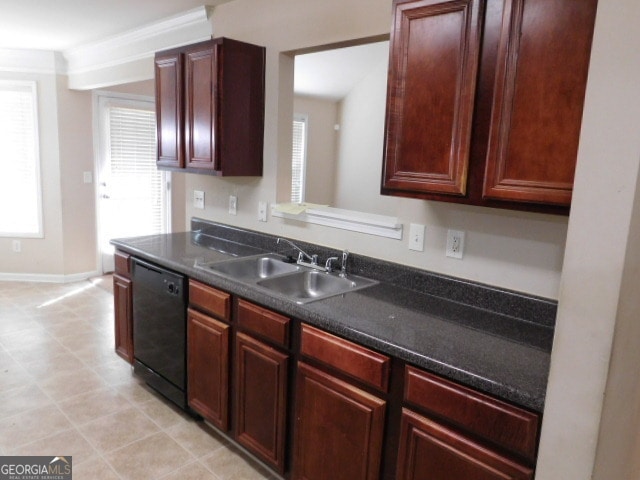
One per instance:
(455,243)
(233,205)
(198,199)
(416,237)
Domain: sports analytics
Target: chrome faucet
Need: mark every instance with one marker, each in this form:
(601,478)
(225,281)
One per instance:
(313,259)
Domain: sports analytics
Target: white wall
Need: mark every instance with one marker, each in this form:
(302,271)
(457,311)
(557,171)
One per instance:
(360,146)
(516,250)
(77,207)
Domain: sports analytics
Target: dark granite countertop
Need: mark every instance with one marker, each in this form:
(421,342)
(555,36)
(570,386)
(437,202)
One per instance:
(503,350)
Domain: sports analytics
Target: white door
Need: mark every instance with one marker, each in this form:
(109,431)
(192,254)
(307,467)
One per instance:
(133,196)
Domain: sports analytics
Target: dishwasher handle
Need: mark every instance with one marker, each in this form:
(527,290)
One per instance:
(172,288)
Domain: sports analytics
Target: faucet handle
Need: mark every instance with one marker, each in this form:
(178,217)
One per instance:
(328,266)
(343,269)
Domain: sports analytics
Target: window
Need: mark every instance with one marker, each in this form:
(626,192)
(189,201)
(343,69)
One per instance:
(20,193)
(137,189)
(299,158)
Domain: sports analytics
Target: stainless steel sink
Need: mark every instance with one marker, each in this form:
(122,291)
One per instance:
(309,285)
(253,268)
(289,280)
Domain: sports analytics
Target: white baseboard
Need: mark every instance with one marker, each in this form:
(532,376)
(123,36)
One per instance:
(46,277)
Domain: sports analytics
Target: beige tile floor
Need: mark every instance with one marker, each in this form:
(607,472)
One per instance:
(63,391)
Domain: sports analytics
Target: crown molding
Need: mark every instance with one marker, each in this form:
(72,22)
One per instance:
(142,43)
(31,61)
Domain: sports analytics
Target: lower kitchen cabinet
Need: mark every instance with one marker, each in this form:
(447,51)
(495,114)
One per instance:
(123,303)
(261,378)
(462,434)
(261,399)
(338,429)
(339,426)
(431,451)
(314,406)
(208,368)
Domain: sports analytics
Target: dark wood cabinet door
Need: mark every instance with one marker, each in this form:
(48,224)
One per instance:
(430,451)
(261,399)
(338,429)
(543,61)
(202,112)
(208,368)
(435,47)
(123,303)
(210,107)
(169,110)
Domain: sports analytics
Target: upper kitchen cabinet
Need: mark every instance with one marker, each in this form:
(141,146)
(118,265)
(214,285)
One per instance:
(210,108)
(543,60)
(432,78)
(485,98)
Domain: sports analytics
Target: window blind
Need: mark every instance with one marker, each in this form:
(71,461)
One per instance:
(298,160)
(20,189)
(136,187)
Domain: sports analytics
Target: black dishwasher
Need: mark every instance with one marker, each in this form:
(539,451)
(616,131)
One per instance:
(159,329)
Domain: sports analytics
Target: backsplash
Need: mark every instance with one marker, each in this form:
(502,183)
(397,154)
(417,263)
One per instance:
(524,307)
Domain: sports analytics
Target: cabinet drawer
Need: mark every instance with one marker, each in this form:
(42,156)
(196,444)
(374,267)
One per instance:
(358,362)
(264,323)
(122,264)
(210,300)
(503,424)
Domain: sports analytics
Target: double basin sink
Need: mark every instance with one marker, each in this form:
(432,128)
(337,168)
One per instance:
(288,280)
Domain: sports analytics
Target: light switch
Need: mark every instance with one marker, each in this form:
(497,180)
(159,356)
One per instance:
(233,205)
(87,177)
(416,237)
(262,211)
(198,199)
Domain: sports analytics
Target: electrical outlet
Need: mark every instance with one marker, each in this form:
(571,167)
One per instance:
(262,211)
(416,237)
(16,246)
(198,199)
(455,243)
(233,205)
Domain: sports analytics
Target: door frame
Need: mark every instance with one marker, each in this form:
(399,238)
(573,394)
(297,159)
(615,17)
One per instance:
(101,99)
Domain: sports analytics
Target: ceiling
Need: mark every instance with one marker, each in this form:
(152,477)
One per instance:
(331,74)
(63,24)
